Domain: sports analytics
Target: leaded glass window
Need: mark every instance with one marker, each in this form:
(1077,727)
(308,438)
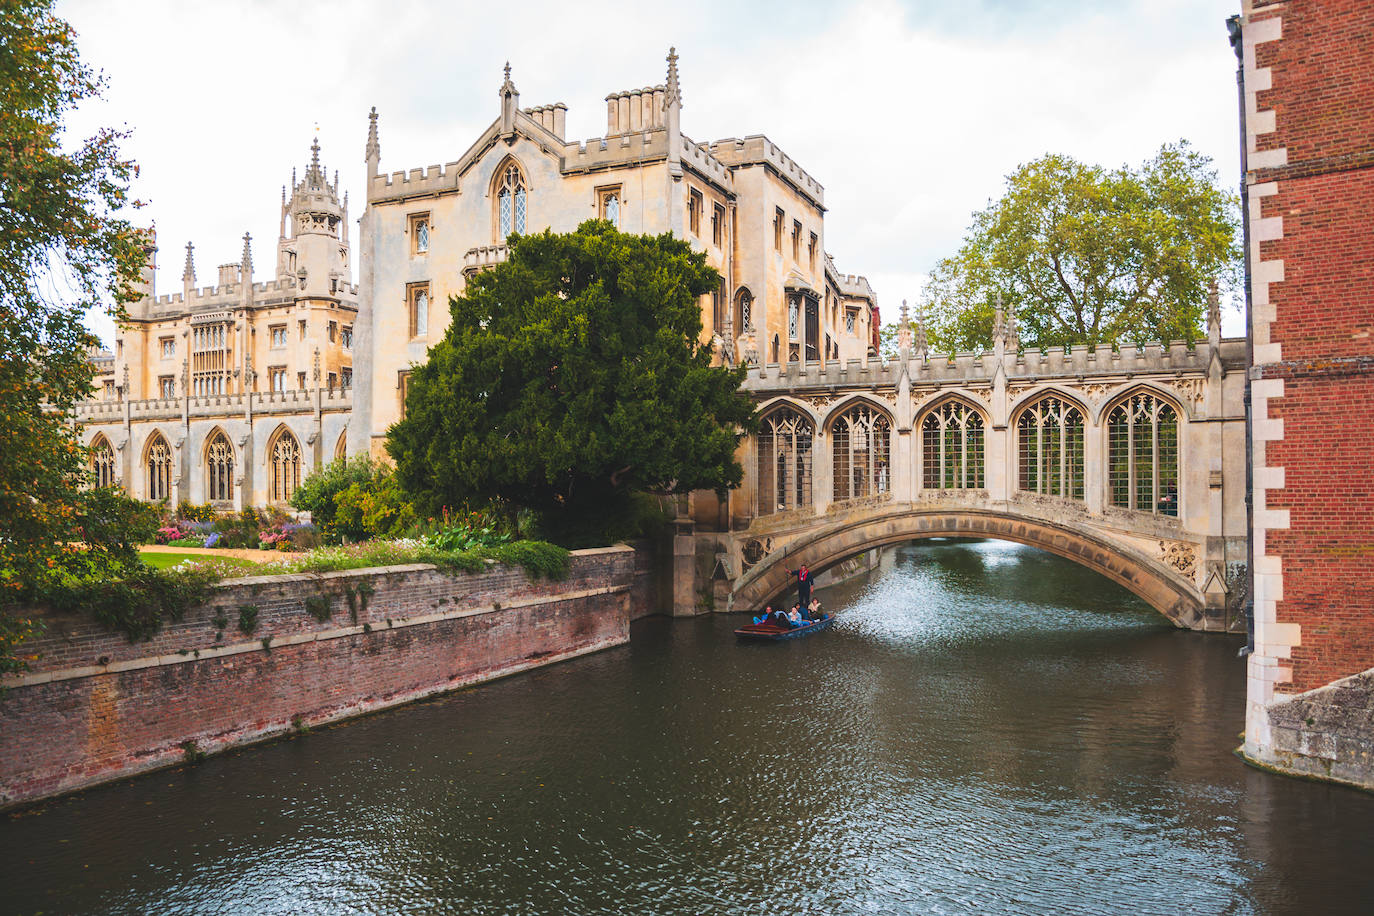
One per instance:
(284,467)
(1142,444)
(860,443)
(421,236)
(510,198)
(792,318)
(952,448)
(745,316)
(159,469)
(1050,437)
(785,441)
(219,469)
(103,463)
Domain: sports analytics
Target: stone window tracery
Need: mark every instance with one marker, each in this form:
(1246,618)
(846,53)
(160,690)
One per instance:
(219,469)
(609,199)
(510,201)
(418,296)
(785,444)
(1050,438)
(419,233)
(159,467)
(952,448)
(1142,444)
(744,311)
(284,467)
(860,445)
(103,463)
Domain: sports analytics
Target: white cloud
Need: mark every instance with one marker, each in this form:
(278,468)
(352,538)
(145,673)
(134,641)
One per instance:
(909,114)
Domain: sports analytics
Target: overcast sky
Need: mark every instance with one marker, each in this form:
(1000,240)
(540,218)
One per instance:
(910,114)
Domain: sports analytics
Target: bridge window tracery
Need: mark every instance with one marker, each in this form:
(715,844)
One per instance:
(1050,434)
(785,441)
(1142,441)
(952,447)
(860,442)
(219,469)
(102,463)
(159,464)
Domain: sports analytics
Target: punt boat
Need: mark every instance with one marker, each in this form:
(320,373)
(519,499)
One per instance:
(776,632)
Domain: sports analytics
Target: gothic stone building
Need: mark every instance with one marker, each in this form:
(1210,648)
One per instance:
(757,215)
(231,394)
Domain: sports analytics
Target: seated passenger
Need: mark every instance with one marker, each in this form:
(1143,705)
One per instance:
(767,613)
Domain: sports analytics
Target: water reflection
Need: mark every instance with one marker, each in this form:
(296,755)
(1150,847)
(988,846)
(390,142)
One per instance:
(987,729)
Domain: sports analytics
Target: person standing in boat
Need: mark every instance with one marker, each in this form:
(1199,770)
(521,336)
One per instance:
(803,584)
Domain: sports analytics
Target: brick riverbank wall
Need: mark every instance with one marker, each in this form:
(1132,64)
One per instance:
(96,707)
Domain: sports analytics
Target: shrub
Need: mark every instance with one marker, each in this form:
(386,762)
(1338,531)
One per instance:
(318,493)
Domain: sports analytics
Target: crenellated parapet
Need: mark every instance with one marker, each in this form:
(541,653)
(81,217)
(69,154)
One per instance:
(433,179)
(758,149)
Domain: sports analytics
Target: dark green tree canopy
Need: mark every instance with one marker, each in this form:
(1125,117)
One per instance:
(571,376)
(1087,255)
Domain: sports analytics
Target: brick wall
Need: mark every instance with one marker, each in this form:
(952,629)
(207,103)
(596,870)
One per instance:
(97,707)
(1311,181)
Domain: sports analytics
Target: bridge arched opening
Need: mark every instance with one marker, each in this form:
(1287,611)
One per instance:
(1160,587)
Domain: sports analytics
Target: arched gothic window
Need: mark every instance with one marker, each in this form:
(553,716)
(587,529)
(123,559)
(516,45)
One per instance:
(860,443)
(785,441)
(219,469)
(102,463)
(1050,433)
(341,448)
(744,311)
(159,465)
(510,200)
(1142,444)
(284,467)
(952,448)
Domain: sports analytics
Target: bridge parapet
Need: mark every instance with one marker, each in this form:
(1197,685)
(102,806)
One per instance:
(1136,455)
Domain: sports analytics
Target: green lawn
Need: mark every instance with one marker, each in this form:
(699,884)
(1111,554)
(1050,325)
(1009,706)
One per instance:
(163,560)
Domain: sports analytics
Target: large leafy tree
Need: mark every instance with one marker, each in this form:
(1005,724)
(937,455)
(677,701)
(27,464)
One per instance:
(64,249)
(571,377)
(1087,255)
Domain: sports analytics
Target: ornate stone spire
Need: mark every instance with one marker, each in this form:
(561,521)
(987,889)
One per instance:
(672,91)
(922,345)
(672,117)
(510,103)
(188,273)
(904,331)
(247,263)
(1213,313)
(999,326)
(373,151)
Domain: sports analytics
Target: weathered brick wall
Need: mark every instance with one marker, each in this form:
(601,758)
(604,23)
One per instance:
(1312,175)
(96,707)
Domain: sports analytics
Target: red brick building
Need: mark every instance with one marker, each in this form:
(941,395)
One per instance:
(1308,72)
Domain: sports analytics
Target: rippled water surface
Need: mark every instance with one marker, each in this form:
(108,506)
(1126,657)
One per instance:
(987,729)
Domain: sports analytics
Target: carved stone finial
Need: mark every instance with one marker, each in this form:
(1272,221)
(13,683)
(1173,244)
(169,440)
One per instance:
(508,71)
(247,266)
(373,151)
(921,346)
(672,91)
(1213,311)
(317,365)
(189,272)
(904,330)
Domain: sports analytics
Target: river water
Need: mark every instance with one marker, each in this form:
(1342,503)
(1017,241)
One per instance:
(987,729)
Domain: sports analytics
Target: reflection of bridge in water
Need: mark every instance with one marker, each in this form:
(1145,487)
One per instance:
(1129,461)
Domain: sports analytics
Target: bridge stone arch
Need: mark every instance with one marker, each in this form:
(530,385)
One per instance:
(826,545)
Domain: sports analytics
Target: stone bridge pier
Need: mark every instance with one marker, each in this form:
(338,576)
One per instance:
(1130,461)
